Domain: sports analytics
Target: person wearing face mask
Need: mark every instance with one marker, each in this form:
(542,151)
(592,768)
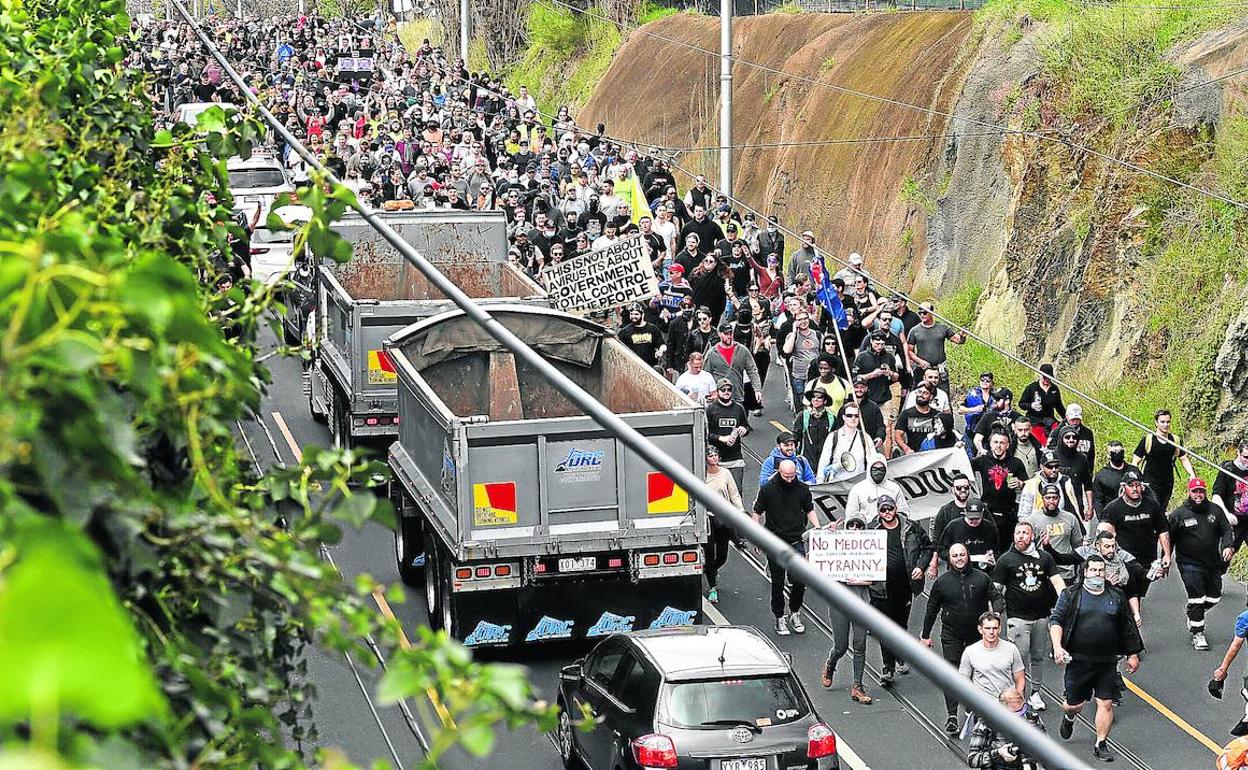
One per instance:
(1030,581)
(909,551)
(1108,480)
(1140,524)
(1201,538)
(1085,438)
(958,598)
(864,495)
(990,749)
(786,508)
(848,635)
(1089,628)
(1074,464)
(1122,570)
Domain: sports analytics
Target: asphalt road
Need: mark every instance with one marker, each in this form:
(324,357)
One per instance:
(1167,719)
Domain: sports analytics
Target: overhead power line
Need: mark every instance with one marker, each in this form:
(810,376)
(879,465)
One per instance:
(1032,741)
(1043,136)
(824,142)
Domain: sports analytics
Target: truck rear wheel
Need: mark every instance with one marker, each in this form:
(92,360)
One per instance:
(339,419)
(407,544)
(433,580)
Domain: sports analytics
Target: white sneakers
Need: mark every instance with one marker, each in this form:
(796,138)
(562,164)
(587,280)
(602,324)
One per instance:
(782,626)
(1199,642)
(795,622)
(1036,702)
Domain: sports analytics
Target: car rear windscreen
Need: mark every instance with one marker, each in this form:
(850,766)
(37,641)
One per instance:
(717,703)
(246,178)
(265,235)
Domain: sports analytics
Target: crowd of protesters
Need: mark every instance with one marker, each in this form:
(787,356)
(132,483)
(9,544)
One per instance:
(1043,555)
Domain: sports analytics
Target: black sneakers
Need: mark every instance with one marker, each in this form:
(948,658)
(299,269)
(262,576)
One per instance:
(1066,728)
(951,724)
(1101,752)
(1240,729)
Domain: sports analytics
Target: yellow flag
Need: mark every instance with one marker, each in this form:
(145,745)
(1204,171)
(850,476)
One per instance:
(641,207)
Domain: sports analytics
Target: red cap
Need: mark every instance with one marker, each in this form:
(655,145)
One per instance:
(1196,483)
(676,268)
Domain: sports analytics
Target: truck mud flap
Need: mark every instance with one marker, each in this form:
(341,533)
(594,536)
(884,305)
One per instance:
(555,612)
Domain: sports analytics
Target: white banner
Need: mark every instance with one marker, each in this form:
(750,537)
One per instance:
(925,477)
(603,279)
(846,554)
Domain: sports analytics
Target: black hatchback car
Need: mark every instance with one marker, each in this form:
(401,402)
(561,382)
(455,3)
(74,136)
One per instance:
(697,698)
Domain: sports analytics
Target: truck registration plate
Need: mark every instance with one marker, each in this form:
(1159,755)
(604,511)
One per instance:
(749,763)
(577,564)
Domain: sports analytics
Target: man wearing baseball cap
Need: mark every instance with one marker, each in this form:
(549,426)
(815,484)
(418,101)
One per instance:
(786,449)
(909,551)
(1139,523)
(1085,439)
(1201,538)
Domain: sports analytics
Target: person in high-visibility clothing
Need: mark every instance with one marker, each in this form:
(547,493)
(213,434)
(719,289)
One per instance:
(1234,755)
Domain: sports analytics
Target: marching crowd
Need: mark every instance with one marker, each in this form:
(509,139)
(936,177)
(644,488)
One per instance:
(1046,551)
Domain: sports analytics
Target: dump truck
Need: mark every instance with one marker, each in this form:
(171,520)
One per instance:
(350,380)
(526,521)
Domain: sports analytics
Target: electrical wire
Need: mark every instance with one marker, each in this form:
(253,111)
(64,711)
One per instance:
(907,105)
(823,142)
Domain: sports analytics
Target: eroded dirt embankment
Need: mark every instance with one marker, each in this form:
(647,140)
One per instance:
(656,92)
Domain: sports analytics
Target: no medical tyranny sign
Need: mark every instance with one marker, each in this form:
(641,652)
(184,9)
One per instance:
(848,555)
(603,279)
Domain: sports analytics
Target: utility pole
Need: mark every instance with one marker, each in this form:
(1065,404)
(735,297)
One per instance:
(464,12)
(725,97)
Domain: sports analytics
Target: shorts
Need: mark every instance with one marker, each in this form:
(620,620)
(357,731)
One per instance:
(1085,679)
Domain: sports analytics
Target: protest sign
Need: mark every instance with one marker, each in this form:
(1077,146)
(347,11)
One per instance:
(603,279)
(926,478)
(844,554)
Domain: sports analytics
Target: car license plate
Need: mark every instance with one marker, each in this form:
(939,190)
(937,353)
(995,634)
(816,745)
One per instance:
(578,564)
(749,763)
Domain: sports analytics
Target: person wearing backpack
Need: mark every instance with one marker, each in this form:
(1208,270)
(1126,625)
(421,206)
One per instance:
(812,426)
(1156,455)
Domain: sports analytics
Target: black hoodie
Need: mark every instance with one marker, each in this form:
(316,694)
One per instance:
(960,597)
(1199,533)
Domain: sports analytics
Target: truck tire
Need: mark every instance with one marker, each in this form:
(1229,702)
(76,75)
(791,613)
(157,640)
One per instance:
(407,544)
(433,582)
(339,419)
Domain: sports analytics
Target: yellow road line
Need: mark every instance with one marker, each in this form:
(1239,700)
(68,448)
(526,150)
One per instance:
(778,426)
(378,597)
(290,440)
(447,721)
(1179,721)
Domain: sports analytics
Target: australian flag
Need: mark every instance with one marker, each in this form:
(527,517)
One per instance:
(826,293)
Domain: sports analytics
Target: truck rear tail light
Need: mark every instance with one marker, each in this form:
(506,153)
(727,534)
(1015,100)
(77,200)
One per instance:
(502,570)
(820,741)
(614,563)
(463,573)
(654,751)
(671,557)
(483,572)
(650,560)
(396,419)
(539,568)
(689,557)
(370,421)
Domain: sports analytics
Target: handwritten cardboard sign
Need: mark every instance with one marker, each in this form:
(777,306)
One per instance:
(849,554)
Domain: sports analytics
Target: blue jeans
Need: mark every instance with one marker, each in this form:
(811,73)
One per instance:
(799,387)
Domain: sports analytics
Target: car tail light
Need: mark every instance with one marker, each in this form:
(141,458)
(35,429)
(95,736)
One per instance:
(820,741)
(259,250)
(502,570)
(463,573)
(483,572)
(650,560)
(671,557)
(654,751)
(614,563)
(689,557)
(539,568)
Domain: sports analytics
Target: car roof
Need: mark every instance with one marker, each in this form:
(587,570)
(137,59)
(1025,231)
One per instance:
(257,160)
(694,652)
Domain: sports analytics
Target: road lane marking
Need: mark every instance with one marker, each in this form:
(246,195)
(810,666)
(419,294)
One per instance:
(447,720)
(843,750)
(290,440)
(1179,721)
(378,597)
(778,426)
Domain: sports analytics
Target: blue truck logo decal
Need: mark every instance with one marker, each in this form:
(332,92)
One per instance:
(674,617)
(550,628)
(581,465)
(610,623)
(488,633)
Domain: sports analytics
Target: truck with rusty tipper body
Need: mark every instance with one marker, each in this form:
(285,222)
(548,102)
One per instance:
(533,523)
(350,381)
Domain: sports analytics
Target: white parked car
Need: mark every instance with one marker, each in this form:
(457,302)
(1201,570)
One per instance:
(188,113)
(256,182)
(272,251)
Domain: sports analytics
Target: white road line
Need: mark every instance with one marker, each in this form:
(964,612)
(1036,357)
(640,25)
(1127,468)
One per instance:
(850,756)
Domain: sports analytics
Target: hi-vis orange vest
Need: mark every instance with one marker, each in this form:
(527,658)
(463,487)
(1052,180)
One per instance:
(1234,756)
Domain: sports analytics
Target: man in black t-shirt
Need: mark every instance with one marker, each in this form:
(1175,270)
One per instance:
(974,531)
(642,337)
(1156,455)
(1139,523)
(785,506)
(1030,581)
(1000,476)
(727,424)
(921,423)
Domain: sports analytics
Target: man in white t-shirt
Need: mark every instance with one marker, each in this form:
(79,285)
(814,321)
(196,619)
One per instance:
(940,401)
(993,664)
